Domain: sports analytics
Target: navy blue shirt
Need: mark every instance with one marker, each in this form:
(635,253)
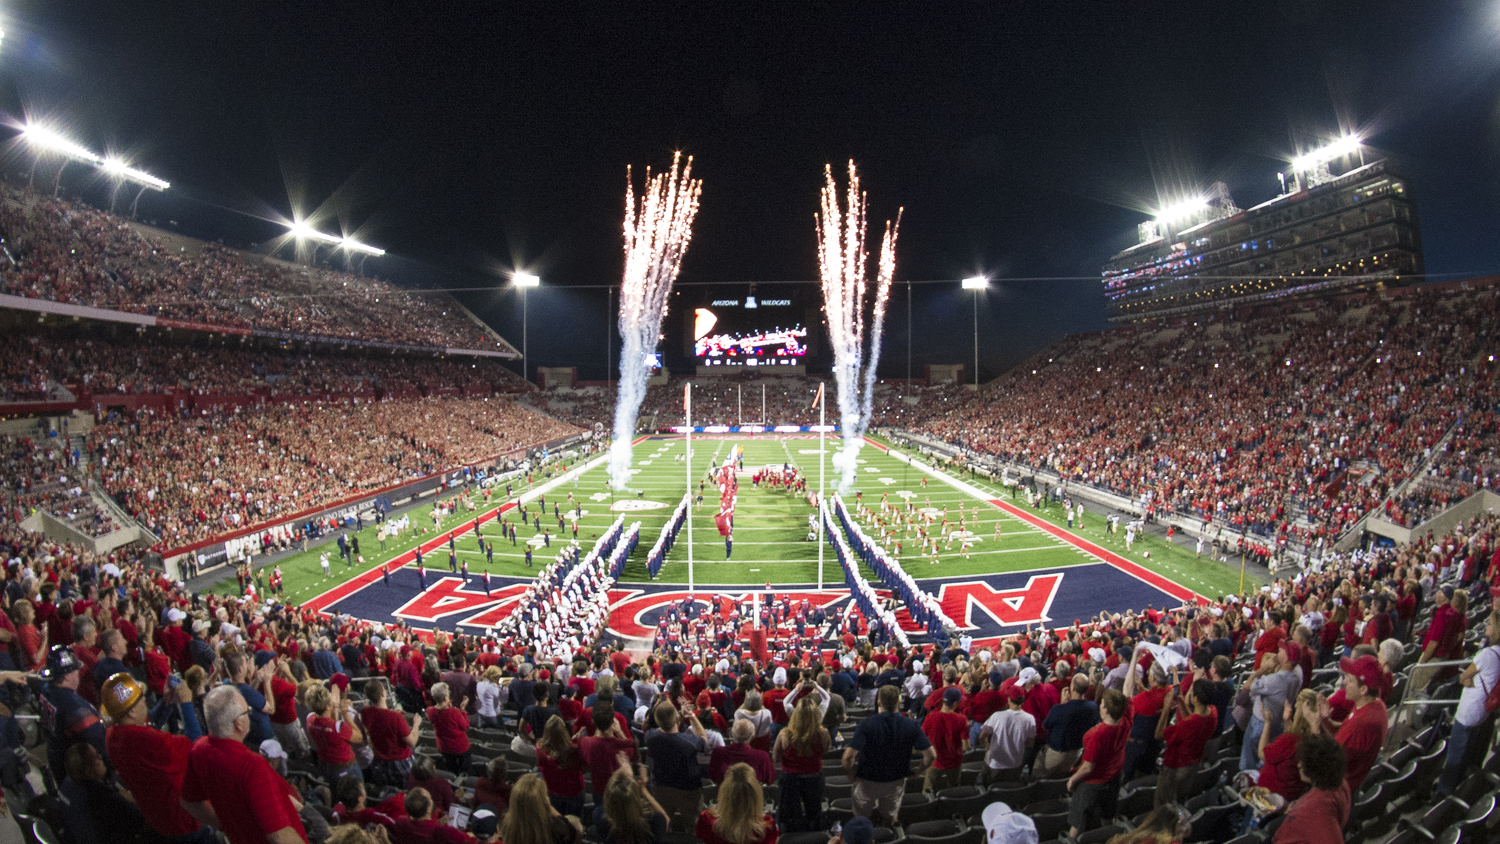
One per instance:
(885,742)
(1067,722)
(674,759)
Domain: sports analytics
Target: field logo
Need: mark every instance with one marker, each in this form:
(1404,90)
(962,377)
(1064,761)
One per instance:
(1008,607)
(451,596)
(631,505)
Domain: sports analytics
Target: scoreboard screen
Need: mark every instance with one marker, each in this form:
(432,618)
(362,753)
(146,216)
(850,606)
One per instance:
(749,330)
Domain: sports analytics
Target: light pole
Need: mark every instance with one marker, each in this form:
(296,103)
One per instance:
(976,284)
(524,281)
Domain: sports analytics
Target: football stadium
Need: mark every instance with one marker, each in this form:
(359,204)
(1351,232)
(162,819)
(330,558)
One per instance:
(363,485)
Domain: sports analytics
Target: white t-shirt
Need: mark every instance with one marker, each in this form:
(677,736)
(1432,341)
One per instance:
(1013,731)
(1471,702)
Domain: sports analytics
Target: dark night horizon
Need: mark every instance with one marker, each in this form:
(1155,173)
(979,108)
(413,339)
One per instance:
(1024,143)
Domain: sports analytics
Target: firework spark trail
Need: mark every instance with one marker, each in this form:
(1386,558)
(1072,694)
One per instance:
(657,231)
(877,330)
(842,262)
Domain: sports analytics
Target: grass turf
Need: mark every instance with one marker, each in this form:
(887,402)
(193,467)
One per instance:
(770,540)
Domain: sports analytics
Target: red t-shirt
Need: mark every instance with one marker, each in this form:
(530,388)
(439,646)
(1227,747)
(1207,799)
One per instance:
(563,780)
(772,702)
(1148,704)
(284,693)
(984,704)
(151,764)
(947,731)
(1318,818)
(29,640)
(89,657)
(250,799)
(599,755)
(439,788)
(451,726)
(704,830)
(1186,737)
(331,739)
(1105,747)
(1269,641)
(1278,772)
(619,662)
(1362,735)
(387,731)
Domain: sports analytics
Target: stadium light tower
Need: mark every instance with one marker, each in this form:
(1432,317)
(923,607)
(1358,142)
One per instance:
(976,284)
(524,281)
(43,139)
(122,173)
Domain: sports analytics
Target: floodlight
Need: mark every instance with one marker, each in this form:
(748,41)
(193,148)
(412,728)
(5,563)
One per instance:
(1345,145)
(977,282)
(116,167)
(521,279)
(45,138)
(1185,208)
(355,246)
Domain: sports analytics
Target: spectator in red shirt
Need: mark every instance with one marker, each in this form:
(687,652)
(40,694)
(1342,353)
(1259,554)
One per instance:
(284,723)
(1278,770)
(423,824)
(948,731)
(1095,786)
(391,738)
(1444,639)
(1363,733)
(1273,634)
(424,775)
(31,641)
(1145,708)
(1318,817)
(561,765)
(85,647)
(149,762)
(334,729)
(352,808)
(451,726)
(799,752)
(738,749)
(230,786)
(740,816)
(1197,721)
(599,750)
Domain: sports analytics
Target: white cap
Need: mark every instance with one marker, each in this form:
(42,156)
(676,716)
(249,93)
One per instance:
(779,677)
(722,666)
(1097,654)
(916,665)
(1028,675)
(271,749)
(1003,826)
(175,615)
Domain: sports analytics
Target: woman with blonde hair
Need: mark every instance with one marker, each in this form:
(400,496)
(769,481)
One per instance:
(530,819)
(740,814)
(1278,771)
(622,816)
(799,754)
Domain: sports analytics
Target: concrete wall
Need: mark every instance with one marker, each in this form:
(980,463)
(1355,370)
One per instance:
(1480,503)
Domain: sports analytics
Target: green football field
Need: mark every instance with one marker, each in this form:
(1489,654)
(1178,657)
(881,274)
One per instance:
(771,526)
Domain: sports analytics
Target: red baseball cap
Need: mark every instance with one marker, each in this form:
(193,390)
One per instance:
(1365,669)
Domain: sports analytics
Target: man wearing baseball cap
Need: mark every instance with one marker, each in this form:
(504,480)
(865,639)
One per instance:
(1002,825)
(1363,733)
(67,718)
(948,730)
(149,762)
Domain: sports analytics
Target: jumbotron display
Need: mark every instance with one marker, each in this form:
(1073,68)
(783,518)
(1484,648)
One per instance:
(749,331)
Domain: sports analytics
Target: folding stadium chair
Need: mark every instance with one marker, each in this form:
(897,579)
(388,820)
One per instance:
(963,801)
(917,807)
(1012,794)
(937,832)
(1429,767)
(42,833)
(1050,825)
(1369,803)
(1215,823)
(1137,802)
(1051,789)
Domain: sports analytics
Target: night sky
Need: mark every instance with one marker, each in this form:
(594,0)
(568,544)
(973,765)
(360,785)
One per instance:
(1025,140)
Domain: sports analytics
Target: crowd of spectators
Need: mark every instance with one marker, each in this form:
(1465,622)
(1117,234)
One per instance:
(72,253)
(40,473)
(1287,425)
(194,475)
(288,725)
(100,367)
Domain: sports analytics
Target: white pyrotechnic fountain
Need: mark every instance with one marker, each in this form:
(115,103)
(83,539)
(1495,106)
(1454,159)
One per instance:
(842,266)
(657,231)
